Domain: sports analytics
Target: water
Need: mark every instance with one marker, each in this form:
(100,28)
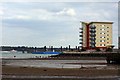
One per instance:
(8,54)
(48,63)
(55,63)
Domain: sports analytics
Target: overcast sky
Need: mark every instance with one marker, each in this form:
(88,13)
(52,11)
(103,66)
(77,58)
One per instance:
(52,23)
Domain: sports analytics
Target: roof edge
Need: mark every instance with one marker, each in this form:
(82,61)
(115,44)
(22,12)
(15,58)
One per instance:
(101,22)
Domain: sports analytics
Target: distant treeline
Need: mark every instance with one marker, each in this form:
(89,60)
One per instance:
(34,49)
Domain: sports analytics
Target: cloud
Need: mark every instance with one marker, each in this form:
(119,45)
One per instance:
(67,11)
(39,14)
(1,12)
(22,17)
(53,23)
(59,1)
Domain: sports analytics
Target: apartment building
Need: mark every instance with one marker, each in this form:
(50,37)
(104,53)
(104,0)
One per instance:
(96,35)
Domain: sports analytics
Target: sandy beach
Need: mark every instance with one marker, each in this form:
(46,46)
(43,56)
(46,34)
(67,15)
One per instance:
(110,72)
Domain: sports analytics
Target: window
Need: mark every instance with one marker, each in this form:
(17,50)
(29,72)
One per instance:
(107,38)
(107,31)
(107,34)
(107,27)
(102,44)
(102,40)
(102,37)
(102,29)
(102,33)
(103,25)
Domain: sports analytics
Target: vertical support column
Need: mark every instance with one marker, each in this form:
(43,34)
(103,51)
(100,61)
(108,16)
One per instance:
(87,36)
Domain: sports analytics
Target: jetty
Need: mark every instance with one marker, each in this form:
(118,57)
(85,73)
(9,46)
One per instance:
(111,57)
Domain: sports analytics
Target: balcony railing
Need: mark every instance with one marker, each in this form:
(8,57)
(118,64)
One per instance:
(81,39)
(93,42)
(92,46)
(81,31)
(92,31)
(92,35)
(80,42)
(92,27)
(81,28)
(92,38)
(81,35)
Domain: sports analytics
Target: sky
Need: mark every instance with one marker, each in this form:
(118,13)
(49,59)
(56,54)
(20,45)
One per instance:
(52,23)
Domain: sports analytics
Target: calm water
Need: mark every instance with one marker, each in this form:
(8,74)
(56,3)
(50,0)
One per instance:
(6,54)
(55,63)
(47,63)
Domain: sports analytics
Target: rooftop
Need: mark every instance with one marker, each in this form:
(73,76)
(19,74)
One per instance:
(98,22)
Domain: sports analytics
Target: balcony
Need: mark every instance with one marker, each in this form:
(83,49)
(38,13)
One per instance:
(92,35)
(92,42)
(92,38)
(81,39)
(81,35)
(81,28)
(92,31)
(81,31)
(80,42)
(92,46)
(92,27)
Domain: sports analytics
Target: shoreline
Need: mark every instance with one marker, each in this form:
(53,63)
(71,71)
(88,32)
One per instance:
(81,72)
(110,72)
(58,78)
(58,58)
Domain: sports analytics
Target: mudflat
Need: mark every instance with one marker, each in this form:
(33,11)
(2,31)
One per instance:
(83,72)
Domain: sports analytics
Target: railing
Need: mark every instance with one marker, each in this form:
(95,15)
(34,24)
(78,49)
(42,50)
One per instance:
(80,42)
(81,31)
(81,39)
(93,42)
(92,38)
(92,31)
(92,34)
(81,28)
(92,27)
(81,35)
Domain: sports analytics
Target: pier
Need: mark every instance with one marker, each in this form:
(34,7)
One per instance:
(109,56)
